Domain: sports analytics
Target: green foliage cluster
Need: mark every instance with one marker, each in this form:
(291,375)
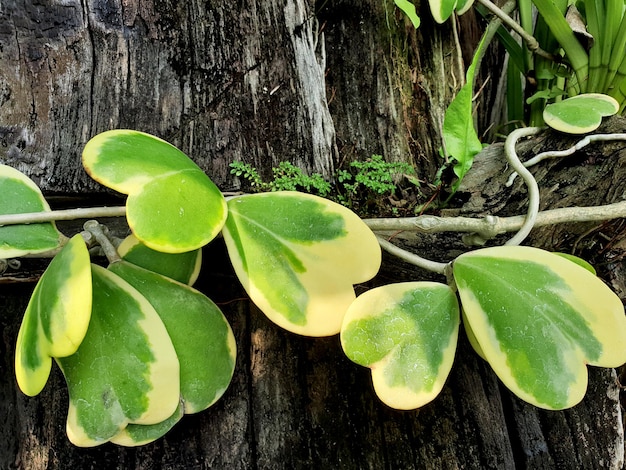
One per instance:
(367,187)
(537,318)
(286,177)
(571,48)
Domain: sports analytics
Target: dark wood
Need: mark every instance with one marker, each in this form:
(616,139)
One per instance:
(265,81)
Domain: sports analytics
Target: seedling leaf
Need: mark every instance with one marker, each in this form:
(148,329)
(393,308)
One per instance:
(409,10)
(443,9)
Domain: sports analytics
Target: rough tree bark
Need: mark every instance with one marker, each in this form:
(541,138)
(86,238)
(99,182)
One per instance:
(265,81)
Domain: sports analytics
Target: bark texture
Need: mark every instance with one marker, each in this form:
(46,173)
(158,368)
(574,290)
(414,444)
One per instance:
(265,81)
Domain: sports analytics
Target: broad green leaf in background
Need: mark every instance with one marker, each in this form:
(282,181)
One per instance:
(407,334)
(539,318)
(57,316)
(20,195)
(125,370)
(581,113)
(182,267)
(443,9)
(172,205)
(202,338)
(409,10)
(298,257)
(459,134)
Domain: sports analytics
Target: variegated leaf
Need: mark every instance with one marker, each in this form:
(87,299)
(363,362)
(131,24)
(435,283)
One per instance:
(407,334)
(57,316)
(125,370)
(172,205)
(298,257)
(538,319)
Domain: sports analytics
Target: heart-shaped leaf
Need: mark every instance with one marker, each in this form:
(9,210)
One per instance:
(125,370)
(202,338)
(407,334)
(172,205)
(182,267)
(57,316)
(21,196)
(298,256)
(581,113)
(539,319)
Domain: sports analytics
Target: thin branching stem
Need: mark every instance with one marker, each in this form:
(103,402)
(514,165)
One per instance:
(490,226)
(100,233)
(573,149)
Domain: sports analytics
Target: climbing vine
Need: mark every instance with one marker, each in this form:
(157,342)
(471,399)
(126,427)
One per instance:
(135,364)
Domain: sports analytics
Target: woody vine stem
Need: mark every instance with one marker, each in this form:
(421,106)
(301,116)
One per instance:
(478,230)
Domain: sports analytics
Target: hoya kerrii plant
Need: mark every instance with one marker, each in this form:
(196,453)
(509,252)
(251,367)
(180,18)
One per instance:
(135,362)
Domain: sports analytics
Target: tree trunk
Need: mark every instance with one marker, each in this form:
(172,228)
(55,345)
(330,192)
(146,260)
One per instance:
(266,81)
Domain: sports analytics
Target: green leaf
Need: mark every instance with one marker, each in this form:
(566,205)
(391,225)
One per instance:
(459,134)
(182,267)
(202,338)
(407,334)
(125,370)
(538,319)
(172,205)
(409,10)
(580,114)
(443,9)
(21,196)
(298,256)
(57,316)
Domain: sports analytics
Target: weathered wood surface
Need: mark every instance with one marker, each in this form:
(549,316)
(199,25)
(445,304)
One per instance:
(222,81)
(265,81)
